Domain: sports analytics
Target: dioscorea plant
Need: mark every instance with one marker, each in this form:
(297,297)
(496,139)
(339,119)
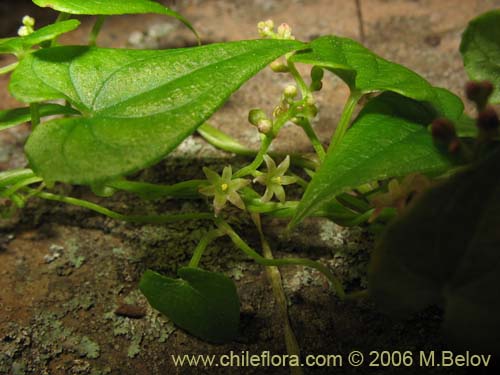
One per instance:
(125,110)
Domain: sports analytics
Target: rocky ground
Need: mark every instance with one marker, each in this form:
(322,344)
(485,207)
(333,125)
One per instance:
(65,271)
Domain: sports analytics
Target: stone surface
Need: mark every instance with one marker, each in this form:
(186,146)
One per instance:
(65,271)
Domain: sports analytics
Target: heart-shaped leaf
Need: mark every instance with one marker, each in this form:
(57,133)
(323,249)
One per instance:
(17,116)
(110,7)
(20,44)
(389,138)
(364,71)
(203,303)
(480,50)
(445,250)
(136,106)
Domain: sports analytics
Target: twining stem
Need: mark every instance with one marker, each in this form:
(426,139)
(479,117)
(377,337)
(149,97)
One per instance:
(292,346)
(144,219)
(96,29)
(35,115)
(345,119)
(316,143)
(202,245)
(337,286)
(8,68)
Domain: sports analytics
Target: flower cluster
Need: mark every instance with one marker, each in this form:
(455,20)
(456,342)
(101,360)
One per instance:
(28,26)
(224,188)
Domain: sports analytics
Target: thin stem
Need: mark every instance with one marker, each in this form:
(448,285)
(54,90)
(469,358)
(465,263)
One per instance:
(337,286)
(304,89)
(14,188)
(61,17)
(95,30)
(316,143)
(144,219)
(202,245)
(8,68)
(224,142)
(345,119)
(292,346)
(146,190)
(35,115)
(259,158)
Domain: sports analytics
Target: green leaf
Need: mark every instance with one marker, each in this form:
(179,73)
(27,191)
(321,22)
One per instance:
(110,8)
(480,48)
(364,71)
(445,250)
(136,106)
(389,138)
(17,116)
(203,303)
(20,44)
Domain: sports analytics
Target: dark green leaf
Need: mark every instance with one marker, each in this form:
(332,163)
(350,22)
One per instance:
(17,116)
(19,44)
(480,50)
(366,72)
(137,105)
(203,303)
(389,138)
(445,250)
(99,7)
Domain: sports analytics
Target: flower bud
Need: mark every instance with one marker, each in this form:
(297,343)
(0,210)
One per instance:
(24,31)
(255,116)
(316,86)
(280,109)
(290,92)
(317,73)
(487,120)
(266,28)
(443,130)
(479,92)
(265,126)
(278,67)
(28,21)
(285,31)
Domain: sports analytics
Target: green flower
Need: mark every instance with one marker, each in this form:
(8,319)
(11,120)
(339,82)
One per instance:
(223,188)
(275,178)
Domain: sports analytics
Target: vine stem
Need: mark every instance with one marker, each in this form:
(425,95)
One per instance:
(202,245)
(35,114)
(224,142)
(61,17)
(292,346)
(144,219)
(8,68)
(243,246)
(96,29)
(259,158)
(316,143)
(345,119)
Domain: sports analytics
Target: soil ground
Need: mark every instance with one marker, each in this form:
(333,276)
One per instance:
(64,271)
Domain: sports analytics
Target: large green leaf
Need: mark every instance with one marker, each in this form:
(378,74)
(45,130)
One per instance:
(389,138)
(111,7)
(203,303)
(18,45)
(364,71)
(480,50)
(136,106)
(445,250)
(17,116)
